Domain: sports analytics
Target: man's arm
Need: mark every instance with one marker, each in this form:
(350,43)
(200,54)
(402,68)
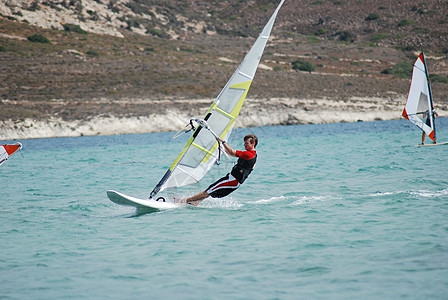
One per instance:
(229,150)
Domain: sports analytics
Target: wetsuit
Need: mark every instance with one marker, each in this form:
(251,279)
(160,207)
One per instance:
(428,121)
(227,184)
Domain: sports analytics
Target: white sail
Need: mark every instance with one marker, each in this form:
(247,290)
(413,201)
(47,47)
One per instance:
(201,150)
(419,105)
(7,150)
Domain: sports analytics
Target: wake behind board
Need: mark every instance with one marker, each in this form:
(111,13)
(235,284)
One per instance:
(437,144)
(150,204)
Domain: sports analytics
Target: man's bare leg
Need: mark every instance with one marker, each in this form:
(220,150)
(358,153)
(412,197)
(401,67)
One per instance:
(196,199)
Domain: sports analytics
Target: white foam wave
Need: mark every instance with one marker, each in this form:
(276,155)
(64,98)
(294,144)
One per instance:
(312,199)
(228,203)
(297,200)
(380,194)
(419,193)
(429,194)
(270,200)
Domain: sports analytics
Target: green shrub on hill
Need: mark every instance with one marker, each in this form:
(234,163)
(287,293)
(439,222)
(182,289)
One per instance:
(303,65)
(346,36)
(92,53)
(74,28)
(372,17)
(38,38)
(405,22)
(155,32)
(378,37)
(438,78)
(401,70)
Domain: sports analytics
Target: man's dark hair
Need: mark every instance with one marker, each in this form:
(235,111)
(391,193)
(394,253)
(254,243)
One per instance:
(253,138)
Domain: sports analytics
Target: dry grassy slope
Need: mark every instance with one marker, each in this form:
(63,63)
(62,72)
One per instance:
(85,71)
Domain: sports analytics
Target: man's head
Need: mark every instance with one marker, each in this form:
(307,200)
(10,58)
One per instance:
(252,139)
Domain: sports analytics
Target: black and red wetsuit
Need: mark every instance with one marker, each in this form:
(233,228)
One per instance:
(227,184)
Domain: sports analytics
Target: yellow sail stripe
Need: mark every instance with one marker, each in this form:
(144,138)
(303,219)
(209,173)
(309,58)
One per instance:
(244,86)
(203,149)
(223,112)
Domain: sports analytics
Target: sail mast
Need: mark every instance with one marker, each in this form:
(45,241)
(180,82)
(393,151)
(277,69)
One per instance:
(431,103)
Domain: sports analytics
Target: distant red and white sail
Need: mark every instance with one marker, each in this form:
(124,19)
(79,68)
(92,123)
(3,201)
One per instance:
(419,106)
(7,150)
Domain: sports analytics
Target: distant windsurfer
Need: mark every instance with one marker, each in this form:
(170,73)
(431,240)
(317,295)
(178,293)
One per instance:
(428,122)
(229,183)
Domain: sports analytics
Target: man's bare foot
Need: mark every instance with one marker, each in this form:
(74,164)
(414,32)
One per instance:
(179,201)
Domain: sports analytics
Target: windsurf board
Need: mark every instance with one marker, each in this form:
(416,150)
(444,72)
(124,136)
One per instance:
(126,200)
(432,144)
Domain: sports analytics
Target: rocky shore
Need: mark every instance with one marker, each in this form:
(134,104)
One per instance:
(256,112)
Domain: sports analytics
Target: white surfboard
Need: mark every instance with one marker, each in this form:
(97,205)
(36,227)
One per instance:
(150,204)
(432,144)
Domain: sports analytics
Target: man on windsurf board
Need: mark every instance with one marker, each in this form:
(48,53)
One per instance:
(428,122)
(229,183)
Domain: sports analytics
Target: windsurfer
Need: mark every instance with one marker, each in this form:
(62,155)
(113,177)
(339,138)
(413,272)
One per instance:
(229,183)
(428,122)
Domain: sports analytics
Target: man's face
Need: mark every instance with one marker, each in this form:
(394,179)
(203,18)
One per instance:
(248,144)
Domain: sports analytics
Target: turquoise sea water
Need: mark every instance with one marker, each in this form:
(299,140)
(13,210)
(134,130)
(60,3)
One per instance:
(338,211)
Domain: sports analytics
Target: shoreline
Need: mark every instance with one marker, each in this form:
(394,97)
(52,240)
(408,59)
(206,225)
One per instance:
(256,112)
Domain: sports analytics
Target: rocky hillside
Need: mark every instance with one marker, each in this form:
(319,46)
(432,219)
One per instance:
(403,24)
(76,59)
